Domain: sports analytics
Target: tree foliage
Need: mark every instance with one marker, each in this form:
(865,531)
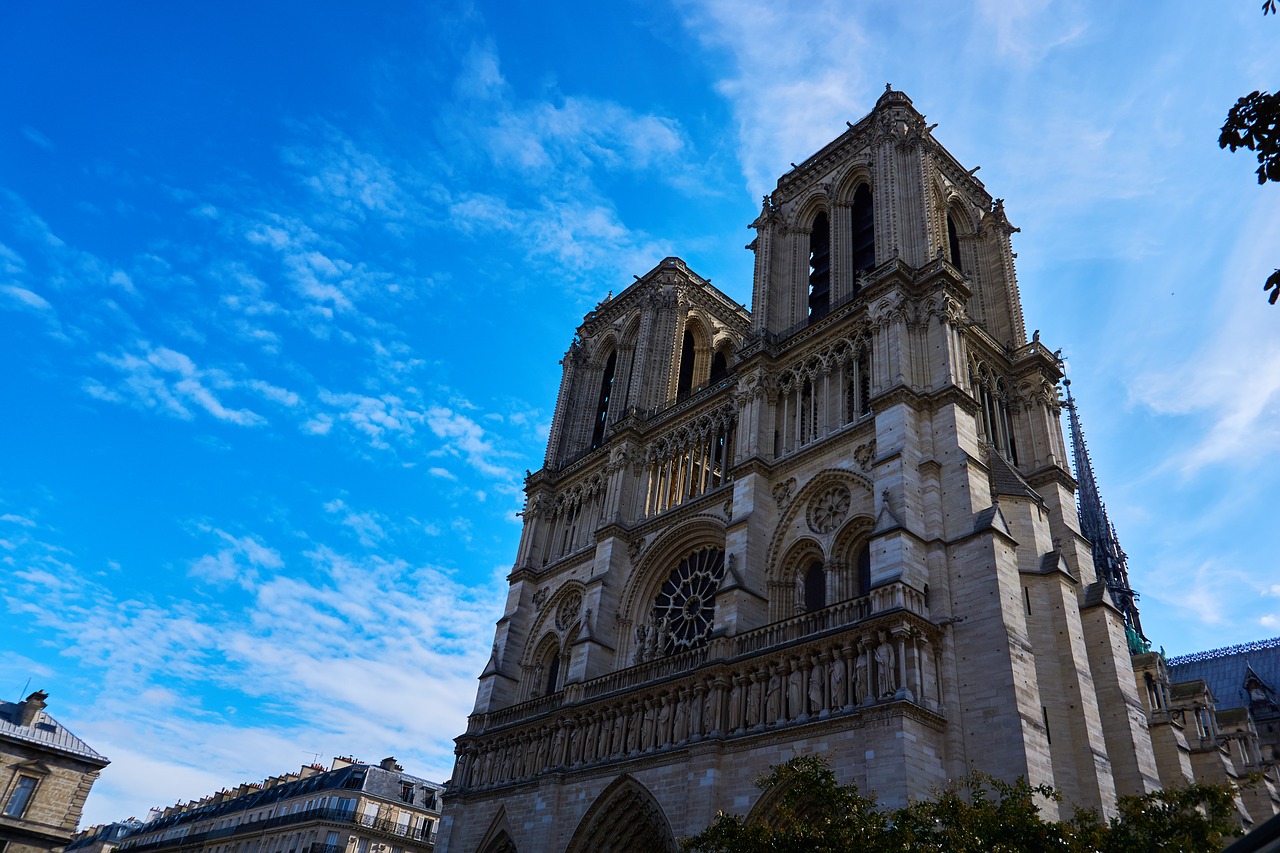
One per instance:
(1254,124)
(811,811)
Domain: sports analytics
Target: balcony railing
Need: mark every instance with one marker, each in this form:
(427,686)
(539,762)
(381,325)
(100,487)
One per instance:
(340,816)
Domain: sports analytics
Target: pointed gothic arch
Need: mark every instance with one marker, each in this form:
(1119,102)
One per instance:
(624,818)
(699,535)
(694,356)
(801,558)
(497,838)
(781,805)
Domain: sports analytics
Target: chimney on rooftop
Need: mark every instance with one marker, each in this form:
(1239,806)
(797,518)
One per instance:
(389,763)
(340,761)
(30,709)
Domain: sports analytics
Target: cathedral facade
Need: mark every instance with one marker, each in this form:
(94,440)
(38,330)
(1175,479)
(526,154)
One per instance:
(842,522)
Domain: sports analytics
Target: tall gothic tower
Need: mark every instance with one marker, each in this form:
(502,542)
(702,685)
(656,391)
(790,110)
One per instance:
(842,522)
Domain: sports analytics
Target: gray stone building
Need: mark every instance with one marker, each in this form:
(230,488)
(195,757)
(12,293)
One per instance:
(45,775)
(841,522)
(349,808)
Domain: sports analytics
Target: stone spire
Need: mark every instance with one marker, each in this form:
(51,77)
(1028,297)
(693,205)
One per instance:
(1109,560)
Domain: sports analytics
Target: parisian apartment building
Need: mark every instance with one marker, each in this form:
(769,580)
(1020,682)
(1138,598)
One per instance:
(349,807)
(46,773)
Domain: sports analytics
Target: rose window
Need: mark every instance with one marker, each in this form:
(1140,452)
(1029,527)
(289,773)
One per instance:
(686,605)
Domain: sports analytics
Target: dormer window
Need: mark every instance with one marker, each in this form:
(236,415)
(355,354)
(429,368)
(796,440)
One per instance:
(819,268)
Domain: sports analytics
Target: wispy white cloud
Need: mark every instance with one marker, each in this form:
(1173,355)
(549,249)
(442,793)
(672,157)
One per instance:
(376,418)
(36,137)
(338,652)
(466,439)
(238,561)
(165,380)
(1229,378)
(788,85)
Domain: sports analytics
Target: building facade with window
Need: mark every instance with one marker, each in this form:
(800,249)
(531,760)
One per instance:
(842,522)
(45,775)
(349,808)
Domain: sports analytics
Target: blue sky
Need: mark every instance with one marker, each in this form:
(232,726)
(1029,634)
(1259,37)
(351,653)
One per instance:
(284,288)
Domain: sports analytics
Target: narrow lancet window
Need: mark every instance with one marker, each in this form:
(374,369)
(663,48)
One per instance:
(553,672)
(864,381)
(684,384)
(953,243)
(864,570)
(864,231)
(815,587)
(819,268)
(719,366)
(602,408)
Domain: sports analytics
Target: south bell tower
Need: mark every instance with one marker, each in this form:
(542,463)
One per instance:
(842,522)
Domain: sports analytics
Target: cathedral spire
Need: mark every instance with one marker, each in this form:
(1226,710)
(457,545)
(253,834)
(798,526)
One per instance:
(1109,560)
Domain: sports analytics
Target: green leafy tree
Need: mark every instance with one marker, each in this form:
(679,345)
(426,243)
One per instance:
(1254,124)
(811,811)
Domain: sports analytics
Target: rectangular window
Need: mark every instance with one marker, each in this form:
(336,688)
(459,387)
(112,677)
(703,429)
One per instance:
(20,796)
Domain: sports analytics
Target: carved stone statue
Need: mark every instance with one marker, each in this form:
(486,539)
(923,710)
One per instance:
(795,693)
(886,679)
(862,683)
(753,704)
(642,645)
(647,731)
(839,698)
(682,720)
(619,733)
(773,705)
(633,731)
(817,688)
(557,747)
(651,648)
(735,705)
(663,735)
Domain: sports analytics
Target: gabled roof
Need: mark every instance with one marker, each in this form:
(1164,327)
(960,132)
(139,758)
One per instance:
(45,732)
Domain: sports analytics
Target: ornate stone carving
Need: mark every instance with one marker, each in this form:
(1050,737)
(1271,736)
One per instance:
(783,491)
(829,508)
(863,454)
(540,598)
(568,610)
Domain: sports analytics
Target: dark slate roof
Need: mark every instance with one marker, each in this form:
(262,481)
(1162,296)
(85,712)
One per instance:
(355,777)
(1223,669)
(45,732)
(1005,480)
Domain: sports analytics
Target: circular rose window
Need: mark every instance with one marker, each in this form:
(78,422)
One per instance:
(686,605)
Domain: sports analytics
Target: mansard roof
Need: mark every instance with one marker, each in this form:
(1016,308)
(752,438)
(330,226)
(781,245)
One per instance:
(1226,669)
(44,732)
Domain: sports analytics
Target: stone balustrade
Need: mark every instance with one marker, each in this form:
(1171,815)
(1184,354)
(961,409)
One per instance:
(737,689)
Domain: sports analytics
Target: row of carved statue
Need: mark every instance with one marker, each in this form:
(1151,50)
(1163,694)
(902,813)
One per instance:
(832,676)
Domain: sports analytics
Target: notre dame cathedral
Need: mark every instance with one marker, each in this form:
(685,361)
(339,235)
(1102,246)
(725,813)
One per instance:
(842,522)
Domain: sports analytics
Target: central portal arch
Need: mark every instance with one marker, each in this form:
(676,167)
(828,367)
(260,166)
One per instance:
(625,818)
